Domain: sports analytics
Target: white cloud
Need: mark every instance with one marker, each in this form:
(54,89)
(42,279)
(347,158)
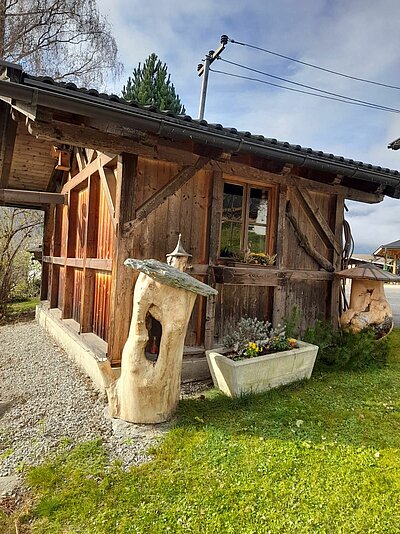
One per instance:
(360,37)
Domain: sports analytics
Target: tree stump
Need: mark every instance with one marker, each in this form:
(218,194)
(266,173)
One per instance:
(148,391)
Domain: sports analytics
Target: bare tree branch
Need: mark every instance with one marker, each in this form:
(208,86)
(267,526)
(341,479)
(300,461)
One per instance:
(56,38)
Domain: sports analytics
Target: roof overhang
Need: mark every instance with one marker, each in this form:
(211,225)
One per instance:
(29,96)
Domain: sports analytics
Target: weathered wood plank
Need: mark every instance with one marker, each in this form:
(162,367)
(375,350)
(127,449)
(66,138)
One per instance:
(337,260)
(317,219)
(183,176)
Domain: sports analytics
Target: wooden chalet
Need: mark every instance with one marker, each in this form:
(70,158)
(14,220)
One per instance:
(117,180)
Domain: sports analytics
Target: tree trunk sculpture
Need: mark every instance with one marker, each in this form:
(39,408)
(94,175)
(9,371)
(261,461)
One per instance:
(368,308)
(148,391)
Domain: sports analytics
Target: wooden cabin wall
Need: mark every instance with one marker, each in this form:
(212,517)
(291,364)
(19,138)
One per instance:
(185,212)
(90,283)
(82,249)
(297,279)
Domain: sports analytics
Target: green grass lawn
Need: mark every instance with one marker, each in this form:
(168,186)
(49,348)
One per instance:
(317,457)
(20,311)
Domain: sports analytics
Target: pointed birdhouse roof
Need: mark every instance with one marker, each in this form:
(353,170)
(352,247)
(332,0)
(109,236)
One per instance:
(179,251)
(369,271)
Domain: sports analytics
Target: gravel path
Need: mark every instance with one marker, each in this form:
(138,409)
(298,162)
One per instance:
(45,399)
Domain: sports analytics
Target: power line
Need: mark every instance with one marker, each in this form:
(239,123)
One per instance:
(337,95)
(316,66)
(371,106)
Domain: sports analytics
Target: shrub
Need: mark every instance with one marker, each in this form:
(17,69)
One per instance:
(251,337)
(345,350)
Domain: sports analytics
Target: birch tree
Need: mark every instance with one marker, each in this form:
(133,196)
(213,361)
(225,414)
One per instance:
(64,39)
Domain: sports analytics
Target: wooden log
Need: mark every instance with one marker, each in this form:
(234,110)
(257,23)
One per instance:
(305,243)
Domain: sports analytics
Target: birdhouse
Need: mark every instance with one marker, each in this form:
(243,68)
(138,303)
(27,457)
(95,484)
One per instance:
(368,306)
(63,158)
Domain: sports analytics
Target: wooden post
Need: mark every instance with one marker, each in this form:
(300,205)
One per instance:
(47,269)
(122,278)
(70,252)
(90,250)
(280,291)
(214,244)
(337,261)
(55,251)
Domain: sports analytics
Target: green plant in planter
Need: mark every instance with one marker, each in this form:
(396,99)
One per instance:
(250,337)
(255,258)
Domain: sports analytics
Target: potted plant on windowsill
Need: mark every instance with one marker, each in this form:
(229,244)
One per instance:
(247,258)
(256,357)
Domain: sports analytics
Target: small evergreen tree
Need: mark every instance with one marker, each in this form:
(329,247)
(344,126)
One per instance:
(151,85)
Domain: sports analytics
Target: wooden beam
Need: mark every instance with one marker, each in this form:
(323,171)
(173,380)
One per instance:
(179,180)
(17,196)
(106,180)
(8,131)
(123,279)
(305,243)
(87,171)
(105,141)
(266,177)
(97,264)
(317,219)
(155,148)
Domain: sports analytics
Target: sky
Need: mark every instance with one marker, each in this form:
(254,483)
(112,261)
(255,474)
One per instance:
(356,37)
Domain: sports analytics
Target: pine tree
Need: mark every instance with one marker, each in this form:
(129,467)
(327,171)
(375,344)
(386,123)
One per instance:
(151,85)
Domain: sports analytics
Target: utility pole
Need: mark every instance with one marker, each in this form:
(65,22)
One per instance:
(203,70)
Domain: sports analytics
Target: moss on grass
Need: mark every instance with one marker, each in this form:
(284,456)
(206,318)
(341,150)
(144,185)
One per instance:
(316,457)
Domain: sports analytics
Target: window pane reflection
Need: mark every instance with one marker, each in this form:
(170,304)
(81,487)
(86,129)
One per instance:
(230,238)
(258,206)
(233,201)
(256,238)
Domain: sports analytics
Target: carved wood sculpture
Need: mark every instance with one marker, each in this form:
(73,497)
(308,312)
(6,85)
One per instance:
(368,306)
(148,391)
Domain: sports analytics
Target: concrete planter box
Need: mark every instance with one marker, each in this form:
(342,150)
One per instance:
(261,373)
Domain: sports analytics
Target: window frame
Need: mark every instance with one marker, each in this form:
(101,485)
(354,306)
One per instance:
(271,215)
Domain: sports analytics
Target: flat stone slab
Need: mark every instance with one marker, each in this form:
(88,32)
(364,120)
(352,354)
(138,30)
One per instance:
(8,484)
(170,276)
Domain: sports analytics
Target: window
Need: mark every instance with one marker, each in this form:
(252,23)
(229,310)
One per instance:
(244,219)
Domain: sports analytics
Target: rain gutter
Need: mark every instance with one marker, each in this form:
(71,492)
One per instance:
(38,93)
